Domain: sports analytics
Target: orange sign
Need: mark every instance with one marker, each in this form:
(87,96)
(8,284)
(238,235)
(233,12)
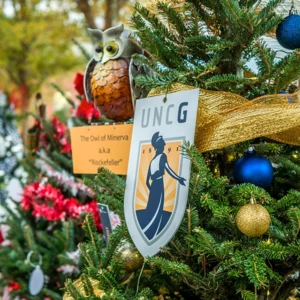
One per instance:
(105,146)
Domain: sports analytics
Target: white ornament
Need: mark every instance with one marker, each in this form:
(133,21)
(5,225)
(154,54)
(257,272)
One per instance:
(15,190)
(37,277)
(2,146)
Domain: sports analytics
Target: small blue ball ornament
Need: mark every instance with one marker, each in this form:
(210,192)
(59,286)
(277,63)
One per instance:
(255,169)
(288,32)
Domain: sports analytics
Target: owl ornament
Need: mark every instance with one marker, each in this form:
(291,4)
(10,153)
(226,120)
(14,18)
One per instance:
(109,76)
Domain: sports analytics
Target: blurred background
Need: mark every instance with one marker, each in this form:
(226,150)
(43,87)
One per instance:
(40,45)
(41,41)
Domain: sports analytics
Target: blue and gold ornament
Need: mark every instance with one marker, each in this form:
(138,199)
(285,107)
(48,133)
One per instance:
(255,169)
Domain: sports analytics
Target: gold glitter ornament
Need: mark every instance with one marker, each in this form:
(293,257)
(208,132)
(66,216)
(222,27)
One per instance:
(130,257)
(253,219)
(79,285)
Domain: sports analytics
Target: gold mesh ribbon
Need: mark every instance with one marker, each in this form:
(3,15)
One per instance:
(79,285)
(224,119)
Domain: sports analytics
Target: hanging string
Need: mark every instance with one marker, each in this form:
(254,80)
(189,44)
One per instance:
(138,283)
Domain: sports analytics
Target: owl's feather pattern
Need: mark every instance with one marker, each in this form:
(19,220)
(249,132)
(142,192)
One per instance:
(110,89)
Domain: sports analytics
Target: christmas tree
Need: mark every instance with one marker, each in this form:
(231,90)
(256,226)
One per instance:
(207,44)
(42,230)
(11,151)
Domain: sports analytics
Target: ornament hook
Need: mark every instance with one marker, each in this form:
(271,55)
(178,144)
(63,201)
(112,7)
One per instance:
(293,10)
(252,200)
(29,259)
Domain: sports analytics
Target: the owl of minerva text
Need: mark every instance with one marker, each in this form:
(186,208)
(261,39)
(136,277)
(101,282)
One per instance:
(109,76)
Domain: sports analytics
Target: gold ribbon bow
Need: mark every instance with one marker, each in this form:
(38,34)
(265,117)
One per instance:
(224,119)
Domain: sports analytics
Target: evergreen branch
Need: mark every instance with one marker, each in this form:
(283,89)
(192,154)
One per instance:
(72,290)
(267,58)
(175,269)
(173,18)
(255,269)
(292,199)
(286,276)
(241,194)
(50,293)
(88,256)
(87,285)
(62,160)
(114,204)
(68,232)
(90,229)
(205,242)
(205,43)
(273,250)
(106,279)
(153,65)
(218,81)
(294,249)
(159,40)
(154,21)
(114,241)
(247,295)
(30,238)
(235,13)
(267,10)
(290,72)
(46,240)
(144,294)
(294,218)
(265,27)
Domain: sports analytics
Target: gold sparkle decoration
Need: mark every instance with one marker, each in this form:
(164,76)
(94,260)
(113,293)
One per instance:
(79,285)
(225,119)
(130,257)
(253,220)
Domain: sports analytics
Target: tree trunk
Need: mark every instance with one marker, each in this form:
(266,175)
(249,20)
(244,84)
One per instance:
(108,19)
(86,9)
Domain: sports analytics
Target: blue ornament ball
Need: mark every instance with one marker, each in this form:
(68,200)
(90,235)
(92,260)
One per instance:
(255,169)
(288,32)
(283,92)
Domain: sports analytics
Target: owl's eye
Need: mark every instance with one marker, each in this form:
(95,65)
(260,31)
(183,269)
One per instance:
(111,48)
(99,49)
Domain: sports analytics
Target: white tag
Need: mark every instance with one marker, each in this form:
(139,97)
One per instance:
(158,174)
(36,281)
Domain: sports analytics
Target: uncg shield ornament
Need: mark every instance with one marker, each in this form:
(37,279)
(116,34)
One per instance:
(158,173)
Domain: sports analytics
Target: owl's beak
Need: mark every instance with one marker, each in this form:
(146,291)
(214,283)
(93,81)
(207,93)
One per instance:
(104,59)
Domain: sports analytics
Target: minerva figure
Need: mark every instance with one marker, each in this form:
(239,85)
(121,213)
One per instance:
(153,218)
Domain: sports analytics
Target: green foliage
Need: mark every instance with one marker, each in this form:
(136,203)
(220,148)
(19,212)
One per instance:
(208,253)
(204,43)
(26,235)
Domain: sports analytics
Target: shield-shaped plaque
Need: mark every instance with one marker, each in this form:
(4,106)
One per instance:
(158,173)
